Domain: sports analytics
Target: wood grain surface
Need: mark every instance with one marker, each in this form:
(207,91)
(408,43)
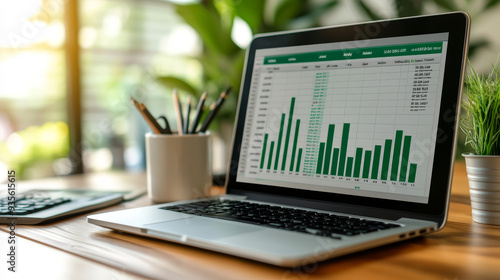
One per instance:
(462,250)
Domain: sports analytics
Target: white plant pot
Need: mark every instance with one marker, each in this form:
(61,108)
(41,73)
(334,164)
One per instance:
(483,173)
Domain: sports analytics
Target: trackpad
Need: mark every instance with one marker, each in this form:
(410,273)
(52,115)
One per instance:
(202,228)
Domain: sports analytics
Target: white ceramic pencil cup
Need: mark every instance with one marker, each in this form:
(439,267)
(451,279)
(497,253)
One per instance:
(179,167)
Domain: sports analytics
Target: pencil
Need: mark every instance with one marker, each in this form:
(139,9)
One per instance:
(178,111)
(199,112)
(188,111)
(214,109)
(147,116)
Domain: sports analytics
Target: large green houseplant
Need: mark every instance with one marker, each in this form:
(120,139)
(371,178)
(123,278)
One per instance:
(481,124)
(221,59)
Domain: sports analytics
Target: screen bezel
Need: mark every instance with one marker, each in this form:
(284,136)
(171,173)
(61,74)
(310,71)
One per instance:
(455,24)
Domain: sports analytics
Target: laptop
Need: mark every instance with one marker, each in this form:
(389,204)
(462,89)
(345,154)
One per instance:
(344,141)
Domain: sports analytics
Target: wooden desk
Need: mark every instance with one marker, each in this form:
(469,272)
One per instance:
(462,250)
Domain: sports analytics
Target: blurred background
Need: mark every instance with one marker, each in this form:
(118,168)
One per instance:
(69,67)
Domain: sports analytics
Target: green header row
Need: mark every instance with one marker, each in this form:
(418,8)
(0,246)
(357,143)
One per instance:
(346,54)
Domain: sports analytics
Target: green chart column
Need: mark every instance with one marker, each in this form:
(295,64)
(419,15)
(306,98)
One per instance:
(278,148)
(376,161)
(343,149)
(320,157)
(328,152)
(366,164)
(335,161)
(396,155)
(287,138)
(263,156)
(413,173)
(294,147)
(348,170)
(387,158)
(270,157)
(357,162)
(404,158)
(299,157)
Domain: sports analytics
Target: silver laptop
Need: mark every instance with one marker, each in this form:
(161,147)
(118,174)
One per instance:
(344,141)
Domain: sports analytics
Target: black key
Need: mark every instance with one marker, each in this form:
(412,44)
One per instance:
(24,202)
(275,224)
(39,207)
(238,219)
(20,212)
(58,200)
(22,206)
(334,236)
(393,225)
(313,230)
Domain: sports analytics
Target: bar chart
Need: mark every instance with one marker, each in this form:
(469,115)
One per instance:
(367,164)
(296,154)
(365,128)
(388,161)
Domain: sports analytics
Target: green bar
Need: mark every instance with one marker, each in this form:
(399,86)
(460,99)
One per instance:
(376,161)
(396,154)
(343,148)
(357,53)
(279,142)
(263,156)
(320,157)
(348,170)
(270,157)
(299,156)
(294,148)
(385,162)
(357,163)
(413,172)
(335,161)
(404,159)
(328,153)
(289,127)
(366,165)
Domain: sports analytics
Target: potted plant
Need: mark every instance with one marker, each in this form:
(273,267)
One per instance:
(481,124)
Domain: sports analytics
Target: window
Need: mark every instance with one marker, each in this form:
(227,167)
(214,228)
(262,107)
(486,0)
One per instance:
(123,46)
(33,130)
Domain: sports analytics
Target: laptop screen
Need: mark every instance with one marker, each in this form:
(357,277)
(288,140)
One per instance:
(356,118)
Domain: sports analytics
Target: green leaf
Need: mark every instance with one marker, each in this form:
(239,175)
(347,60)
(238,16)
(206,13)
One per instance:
(490,4)
(446,4)
(251,11)
(313,18)
(475,46)
(409,8)
(208,24)
(368,11)
(287,10)
(173,82)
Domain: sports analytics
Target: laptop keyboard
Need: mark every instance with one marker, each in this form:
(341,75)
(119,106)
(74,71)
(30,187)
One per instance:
(317,223)
(25,204)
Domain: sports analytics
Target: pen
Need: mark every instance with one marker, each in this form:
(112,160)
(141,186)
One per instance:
(199,112)
(147,116)
(178,111)
(214,109)
(188,111)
